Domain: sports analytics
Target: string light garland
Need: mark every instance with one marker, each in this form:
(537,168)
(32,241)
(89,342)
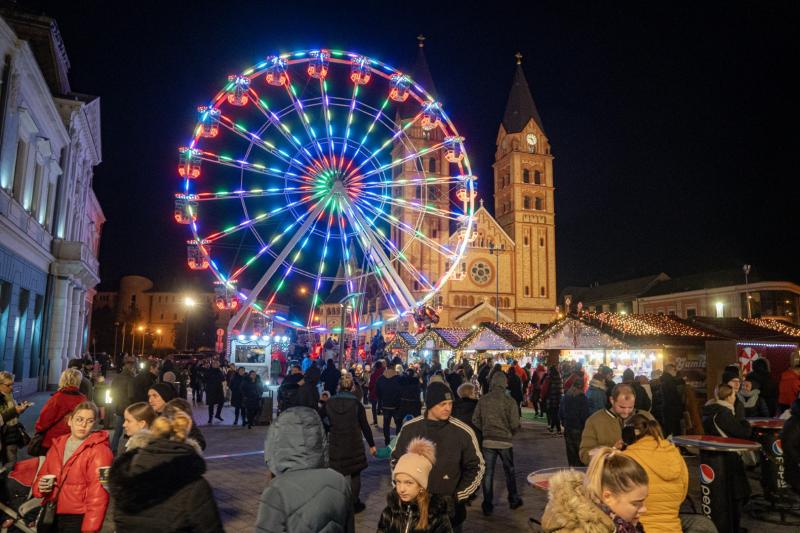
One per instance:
(517,333)
(644,325)
(775,325)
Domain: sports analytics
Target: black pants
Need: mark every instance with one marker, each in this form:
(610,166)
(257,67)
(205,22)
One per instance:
(572,440)
(211,410)
(555,422)
(252,414)
(69,523)
(236,410)
(537,402)
(355,487)
(197,394)
(374,404)
(390,414)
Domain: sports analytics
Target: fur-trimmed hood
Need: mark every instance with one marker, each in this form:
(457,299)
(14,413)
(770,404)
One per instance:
(570,510)
(149,474)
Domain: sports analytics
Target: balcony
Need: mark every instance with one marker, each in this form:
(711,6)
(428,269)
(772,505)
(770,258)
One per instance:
(77,252)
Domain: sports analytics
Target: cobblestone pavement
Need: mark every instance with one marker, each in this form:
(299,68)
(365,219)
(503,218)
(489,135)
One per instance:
(237,473)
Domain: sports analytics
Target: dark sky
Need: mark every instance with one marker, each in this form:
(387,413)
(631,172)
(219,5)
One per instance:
(674,125)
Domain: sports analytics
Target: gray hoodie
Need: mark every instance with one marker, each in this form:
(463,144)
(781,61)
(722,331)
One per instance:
(497,415)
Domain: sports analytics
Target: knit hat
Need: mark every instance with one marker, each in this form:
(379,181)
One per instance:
(417,462)
(436,393)
(165,390)
(729,374)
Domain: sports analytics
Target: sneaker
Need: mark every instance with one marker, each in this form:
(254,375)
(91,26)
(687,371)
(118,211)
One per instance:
(487,508)
(210,421)
(220,418)
(359,507)
(516,505)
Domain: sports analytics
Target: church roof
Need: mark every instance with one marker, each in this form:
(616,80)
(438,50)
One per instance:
(520,107)
(421,74)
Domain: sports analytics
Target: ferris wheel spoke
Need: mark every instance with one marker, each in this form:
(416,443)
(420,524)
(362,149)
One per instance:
(403,160)
(405,228)
(413,182)
(320,271)
(418,207)
(255,168)
(351,107)
(383,264)
(304,120)
(260,219)
(386,143)
(252,193)
(378,114)
(266,146)
(282,128)
(326,112)
(309,219)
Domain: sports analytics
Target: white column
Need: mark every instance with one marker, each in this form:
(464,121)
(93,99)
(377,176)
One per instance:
(80,320)
(73,321)
(59,329)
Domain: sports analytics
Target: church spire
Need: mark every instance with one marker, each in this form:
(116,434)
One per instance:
(520,107)
(421,74)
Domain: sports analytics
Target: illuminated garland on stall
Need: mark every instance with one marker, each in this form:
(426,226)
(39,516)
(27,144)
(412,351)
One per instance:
(775,325)
(645,325)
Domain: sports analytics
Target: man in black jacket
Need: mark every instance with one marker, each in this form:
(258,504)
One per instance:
(143,381)
(390,390)
(459,464)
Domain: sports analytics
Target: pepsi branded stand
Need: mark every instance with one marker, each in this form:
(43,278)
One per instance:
(716,492)
(778,504)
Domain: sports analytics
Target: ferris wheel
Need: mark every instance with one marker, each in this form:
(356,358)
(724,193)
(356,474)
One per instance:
(324,176)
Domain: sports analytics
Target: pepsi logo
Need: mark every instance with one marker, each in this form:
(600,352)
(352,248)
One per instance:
(706,474)
(777,447)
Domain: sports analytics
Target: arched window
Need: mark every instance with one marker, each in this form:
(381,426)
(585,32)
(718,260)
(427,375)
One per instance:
(432,164)
(433,192)
(456,301)
(471,301)
(508,302)
(541,241)
(527,290)
(538,204)
(537,177)
(541,291)
(526,176)
(526,202)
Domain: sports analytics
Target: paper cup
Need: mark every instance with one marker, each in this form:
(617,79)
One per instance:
(49,479)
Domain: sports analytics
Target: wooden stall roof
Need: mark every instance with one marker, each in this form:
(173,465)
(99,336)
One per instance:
(403,340)
(572,334)
(484,339)
(443,338)
(516,333)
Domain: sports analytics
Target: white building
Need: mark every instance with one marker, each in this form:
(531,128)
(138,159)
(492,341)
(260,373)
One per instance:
(50,219)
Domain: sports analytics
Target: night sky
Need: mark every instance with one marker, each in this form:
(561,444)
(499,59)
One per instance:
(674,127)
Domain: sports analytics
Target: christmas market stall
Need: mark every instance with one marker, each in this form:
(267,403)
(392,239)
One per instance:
(484,343)
(440,344)
(403,345)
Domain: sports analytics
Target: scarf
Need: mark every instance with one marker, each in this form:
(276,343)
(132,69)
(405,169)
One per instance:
(620,524)
(749,399)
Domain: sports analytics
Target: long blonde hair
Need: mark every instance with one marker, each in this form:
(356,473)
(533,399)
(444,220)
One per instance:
(613,471)
(174,428)
(423,502)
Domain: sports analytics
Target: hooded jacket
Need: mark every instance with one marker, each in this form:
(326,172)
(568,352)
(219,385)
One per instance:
(389,389)
(304,496)
(158,485)
(347,420)
(53,417)
(596,396)
(762,380)
(669,482)
(399,517)
(718,418)
(496,415)
(604,428)
(570,510)
(78,484)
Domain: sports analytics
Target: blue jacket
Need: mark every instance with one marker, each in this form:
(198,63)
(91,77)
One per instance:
(574,410)
(305,495)
(596,396)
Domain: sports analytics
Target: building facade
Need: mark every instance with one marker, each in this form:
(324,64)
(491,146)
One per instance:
(50,219)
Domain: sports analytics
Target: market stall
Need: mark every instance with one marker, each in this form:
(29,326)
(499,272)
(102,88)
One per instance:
(440,344)
(484,343)
(403,345)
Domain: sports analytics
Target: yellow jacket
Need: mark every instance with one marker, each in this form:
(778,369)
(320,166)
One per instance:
(669,481)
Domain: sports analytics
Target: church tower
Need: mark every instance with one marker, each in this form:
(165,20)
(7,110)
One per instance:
(523,197)
(433,229)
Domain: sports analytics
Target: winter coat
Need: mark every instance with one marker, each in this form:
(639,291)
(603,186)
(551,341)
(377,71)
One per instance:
(78,489)
(604,428)
(673,392)
(459,463)
(409,396)
(790,439)
(552,390)
(389,389)
(668,482)
(308,393)
(158,485)
(287,392)
(236,391)
(121,390)
(373,383)
(54,414)
(454,380)
(514,385)
(483,377)
(347,420)
(643,401)
(304,496)
(141,384)
(763,381)
(330,378)
(574,410)
(251,394)
(753,404)
(497,413)
(569,508)
(789,387)
(718,418)
(596,396)
(214,390)
(463,409)
(399,517)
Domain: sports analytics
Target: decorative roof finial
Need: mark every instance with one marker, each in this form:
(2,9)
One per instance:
(481,202)
(519,58)
(421,39)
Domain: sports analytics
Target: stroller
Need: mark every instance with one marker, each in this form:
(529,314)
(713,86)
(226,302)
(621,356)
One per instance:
(18,508)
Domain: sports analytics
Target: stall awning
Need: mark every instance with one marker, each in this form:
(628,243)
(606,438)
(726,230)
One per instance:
(485,339)
(572,334)
(516,333)
(443,338)
(402,341)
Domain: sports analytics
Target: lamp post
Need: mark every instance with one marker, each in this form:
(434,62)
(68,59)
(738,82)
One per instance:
(746,269)
(141,330)
(189,302)
(496,254)
(158,333)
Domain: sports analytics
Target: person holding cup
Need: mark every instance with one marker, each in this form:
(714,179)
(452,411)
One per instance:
(72,470)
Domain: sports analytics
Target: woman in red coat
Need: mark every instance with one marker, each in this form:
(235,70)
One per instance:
(75,460)
(53,417)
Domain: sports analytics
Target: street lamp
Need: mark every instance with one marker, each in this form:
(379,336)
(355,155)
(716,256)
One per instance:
(141,330)
(189,302)
(158,332)
(746,269)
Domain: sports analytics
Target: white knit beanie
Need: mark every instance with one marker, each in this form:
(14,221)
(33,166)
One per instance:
(418,461)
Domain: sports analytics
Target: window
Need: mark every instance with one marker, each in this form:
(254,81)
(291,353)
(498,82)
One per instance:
(481,272)
(433,192)
(691,312)
(456,301)
(538,204)
(36,336)
(432,165)
(5,304)
(537,177)
(541,291)
(162,316)
(525,241)
(20,333)
(20,168)
(133,299)
(526,202)
(526,176)
(416,285)
(527,291)
(471,301)
(541,241)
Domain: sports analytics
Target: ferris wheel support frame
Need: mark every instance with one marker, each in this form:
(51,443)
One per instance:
(301,231)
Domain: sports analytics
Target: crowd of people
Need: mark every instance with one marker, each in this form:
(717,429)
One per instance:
(450,427)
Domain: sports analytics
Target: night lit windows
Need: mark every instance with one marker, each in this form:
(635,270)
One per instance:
(537,177)
(526,176)
(538,203)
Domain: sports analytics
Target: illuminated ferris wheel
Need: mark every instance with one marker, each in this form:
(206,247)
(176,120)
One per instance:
(301,183)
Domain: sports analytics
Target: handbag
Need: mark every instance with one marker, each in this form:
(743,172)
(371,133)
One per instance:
(46,521)
(35,445)
(15,435)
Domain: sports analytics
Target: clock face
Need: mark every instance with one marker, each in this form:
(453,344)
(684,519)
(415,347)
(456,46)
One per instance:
(531,139)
